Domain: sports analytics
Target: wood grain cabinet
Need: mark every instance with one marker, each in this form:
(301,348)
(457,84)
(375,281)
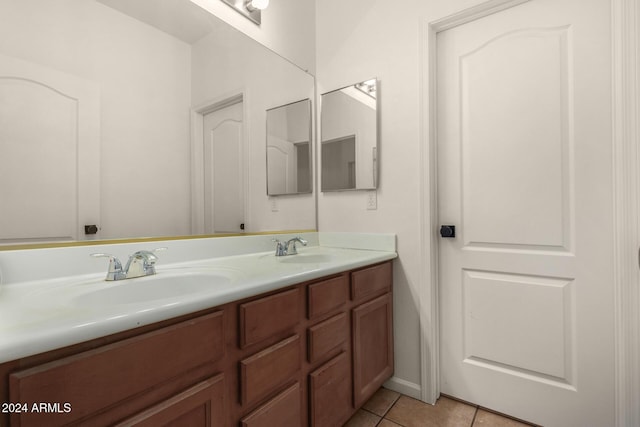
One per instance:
(310,354)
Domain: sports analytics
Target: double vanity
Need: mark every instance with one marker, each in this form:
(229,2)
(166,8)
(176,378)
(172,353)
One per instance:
(228,337)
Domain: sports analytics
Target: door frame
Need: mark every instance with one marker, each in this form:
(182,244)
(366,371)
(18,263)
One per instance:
(197,154)
(625,20)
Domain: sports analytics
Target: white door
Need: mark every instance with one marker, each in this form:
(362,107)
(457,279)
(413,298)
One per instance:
(524,173)
(49,153)
(223,170)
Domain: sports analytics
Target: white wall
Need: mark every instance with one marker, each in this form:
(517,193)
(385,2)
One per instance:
(267,81)
(144,79)
(288,28)
(357,40)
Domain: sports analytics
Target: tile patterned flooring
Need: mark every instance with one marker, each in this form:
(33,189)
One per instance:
(390,409)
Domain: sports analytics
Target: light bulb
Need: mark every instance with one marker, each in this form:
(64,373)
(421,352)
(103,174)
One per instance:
(259,4)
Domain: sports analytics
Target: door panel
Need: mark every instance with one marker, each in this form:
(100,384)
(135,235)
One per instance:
(224,170)
(524,155)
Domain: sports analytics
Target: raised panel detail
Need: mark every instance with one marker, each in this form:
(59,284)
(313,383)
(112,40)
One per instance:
(264,317)
(371,281)
(200,406)
(330,393)
(519,323)
(328,295)
(269,369)
(525,76)
(39,144)
(284,410)
(372,337)
(327,336)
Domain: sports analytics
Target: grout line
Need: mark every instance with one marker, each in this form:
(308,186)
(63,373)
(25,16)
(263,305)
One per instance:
(475,414)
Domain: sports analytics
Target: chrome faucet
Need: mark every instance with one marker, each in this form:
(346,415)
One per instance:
(141,263)
(288,247)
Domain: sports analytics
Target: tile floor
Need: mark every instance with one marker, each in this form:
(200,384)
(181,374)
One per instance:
(390,409)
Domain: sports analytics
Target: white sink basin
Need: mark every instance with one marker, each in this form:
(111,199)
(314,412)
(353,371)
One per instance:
(174,286)
(306,259)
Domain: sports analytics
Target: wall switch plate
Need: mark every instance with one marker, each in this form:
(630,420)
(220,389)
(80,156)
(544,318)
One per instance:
(274,204)
(372,200)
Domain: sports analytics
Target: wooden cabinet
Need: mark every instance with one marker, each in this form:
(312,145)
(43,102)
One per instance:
(284,410)
(269,369)
(372,347)
(309,354)
(330,393)
(199,406)
(98,380)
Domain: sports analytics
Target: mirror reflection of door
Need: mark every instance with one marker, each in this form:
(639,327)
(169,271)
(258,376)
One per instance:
(339,163)
(288,152)
(223,170)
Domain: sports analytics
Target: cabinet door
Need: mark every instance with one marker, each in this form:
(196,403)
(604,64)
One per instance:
(372,336)
(200,406)
(329,392)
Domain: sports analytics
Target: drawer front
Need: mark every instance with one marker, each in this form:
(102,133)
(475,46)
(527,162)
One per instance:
(284,410)
(262,318)
(371,281)
(327,336)
(96,379)
(330,393)
(327,295)
(268,370)
(200,405)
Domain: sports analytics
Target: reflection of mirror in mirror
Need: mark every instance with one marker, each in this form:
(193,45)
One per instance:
(99,105)
(350,137)
(289,149)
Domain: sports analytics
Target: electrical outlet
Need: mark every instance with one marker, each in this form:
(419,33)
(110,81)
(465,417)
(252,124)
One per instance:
(274,204)
(372,200)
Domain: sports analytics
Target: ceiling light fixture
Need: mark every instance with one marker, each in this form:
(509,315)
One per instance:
(256,4)
(250,9)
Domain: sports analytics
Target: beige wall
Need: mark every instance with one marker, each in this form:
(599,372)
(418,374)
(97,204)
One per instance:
(357,40)
(144,78)
(288,28)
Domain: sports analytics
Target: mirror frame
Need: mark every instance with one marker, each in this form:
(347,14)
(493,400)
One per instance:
(376,148)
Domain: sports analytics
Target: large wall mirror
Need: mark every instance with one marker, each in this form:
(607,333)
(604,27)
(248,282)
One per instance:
(349,129)
(145,118)
(289,149)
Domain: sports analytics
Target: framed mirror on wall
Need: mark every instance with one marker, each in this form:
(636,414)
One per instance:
(349,137)
(124,114)
(289,149)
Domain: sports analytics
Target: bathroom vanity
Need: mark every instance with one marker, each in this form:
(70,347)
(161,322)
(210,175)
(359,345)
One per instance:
(308,353)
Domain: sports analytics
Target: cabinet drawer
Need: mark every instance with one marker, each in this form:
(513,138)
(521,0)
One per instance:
(269,369)
(96,379)
(284,410)
(327,336)
(327,295)
(201,405)
(371,281)
(262,318)
(330,393)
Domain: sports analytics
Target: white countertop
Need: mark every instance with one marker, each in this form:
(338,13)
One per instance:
(43,315)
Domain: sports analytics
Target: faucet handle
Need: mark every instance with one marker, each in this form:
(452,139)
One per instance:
(115,266)
(281,247)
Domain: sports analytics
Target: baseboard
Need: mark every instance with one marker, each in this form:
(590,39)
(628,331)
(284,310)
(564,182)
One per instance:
(404,387)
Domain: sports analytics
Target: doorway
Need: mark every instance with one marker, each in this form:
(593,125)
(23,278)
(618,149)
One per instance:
(219,167)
